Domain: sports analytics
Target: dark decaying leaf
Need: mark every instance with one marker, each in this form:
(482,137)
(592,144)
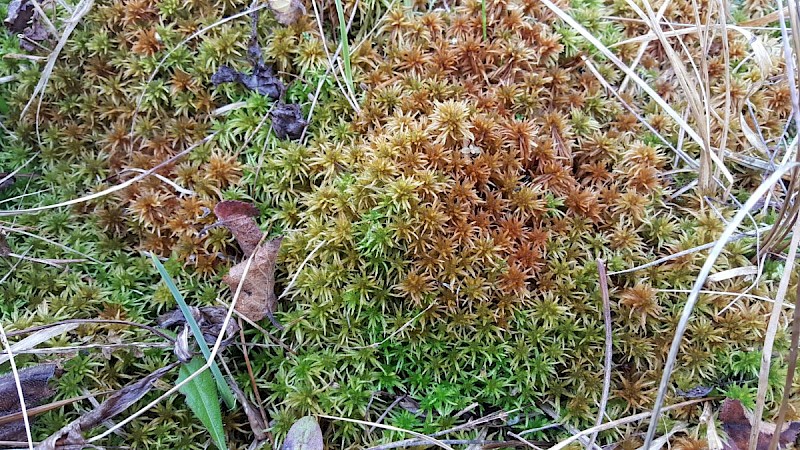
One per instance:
(305,434)
(71,436)
(35,391)
(238,217)
(20,12)
(209,318)
(737,425)
(262,79)
(22,18)
(288,121)
(5,250)
(253,417)
(287,11)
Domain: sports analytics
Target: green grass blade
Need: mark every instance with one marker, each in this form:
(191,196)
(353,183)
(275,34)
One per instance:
(483,18)
(348,72)
(222,385)
(201,396)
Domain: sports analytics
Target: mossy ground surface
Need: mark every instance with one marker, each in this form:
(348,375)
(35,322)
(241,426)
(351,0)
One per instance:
(455,219)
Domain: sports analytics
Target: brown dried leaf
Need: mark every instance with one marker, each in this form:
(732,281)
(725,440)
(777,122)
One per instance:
(72,434)
(34,389)
(239,218)
(737,424)
(257,298)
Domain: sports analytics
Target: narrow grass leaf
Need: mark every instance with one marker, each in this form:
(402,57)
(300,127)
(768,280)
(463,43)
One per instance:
(222,385)
(203,399)
(348,71)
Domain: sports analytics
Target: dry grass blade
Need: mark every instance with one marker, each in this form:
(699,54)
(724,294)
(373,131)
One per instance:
(609,347)
(772,331)
(691,301)
(111,190)
(18,383)
(787,388)
(37,338)
(615,423)
(425,438)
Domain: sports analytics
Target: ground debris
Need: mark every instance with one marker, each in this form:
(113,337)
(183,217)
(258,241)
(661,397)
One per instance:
(288,121)
(71,436)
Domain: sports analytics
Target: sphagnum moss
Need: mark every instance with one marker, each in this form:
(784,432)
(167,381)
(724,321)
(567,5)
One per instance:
(459,215)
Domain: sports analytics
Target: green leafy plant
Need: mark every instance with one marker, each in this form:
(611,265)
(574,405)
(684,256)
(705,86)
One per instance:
(203,399)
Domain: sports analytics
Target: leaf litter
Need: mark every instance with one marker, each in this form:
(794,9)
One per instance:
(287,118)
(35,389)
(737,424)
(71,436)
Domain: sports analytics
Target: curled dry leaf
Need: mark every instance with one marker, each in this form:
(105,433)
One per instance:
(737,424)
(72,434)
(257,298)
(304,434)
(209,318)
(35,391)
(253,416)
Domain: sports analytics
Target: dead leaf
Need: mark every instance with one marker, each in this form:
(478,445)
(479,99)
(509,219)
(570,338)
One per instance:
(253,416)
(20,12)
(22,18)
(239,218)
(34,381)
(287,11)
(287,121)
(72,433)
(257,298)
(737,424)
(305,434)
(209,318)
(261,80)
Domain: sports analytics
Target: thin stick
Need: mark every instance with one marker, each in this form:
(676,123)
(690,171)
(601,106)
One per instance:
(601,273)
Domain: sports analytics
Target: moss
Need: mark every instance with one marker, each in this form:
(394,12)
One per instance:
(458,215)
